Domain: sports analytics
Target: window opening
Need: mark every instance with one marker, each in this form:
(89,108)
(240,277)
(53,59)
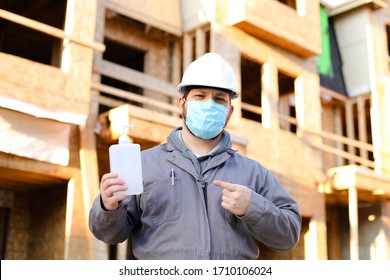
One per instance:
(4,221)
(251,89)
(25,42)
(124,56)
(287,113)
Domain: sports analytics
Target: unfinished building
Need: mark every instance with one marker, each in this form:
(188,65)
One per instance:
(314,109)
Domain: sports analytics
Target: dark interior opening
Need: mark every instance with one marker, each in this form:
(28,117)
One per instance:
(28,43)
(125,56)
(251,87)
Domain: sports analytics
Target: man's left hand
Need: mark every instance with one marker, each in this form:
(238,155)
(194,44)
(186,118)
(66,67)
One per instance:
(235,197)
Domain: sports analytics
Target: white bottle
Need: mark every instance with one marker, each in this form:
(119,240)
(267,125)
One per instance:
(125,160)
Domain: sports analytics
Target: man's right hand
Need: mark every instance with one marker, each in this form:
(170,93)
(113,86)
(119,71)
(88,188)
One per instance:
(109,185)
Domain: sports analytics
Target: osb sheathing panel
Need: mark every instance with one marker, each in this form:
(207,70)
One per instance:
(37,222)
(37,226)
(300,34)
(38,84)
(80,21)
(162,14)
(47,228)
(19,224)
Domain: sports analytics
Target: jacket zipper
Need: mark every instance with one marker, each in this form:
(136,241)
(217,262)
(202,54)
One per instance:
(204,188)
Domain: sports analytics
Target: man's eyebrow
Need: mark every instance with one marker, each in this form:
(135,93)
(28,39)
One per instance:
(222,94)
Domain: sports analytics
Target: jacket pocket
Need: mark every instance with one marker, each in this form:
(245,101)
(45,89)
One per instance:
(162,201)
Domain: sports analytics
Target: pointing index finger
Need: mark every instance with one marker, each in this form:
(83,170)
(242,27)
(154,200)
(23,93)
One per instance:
(224,185)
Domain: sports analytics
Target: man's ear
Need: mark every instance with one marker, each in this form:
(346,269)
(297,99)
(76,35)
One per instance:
(231,110)
(180,104)
(229,114)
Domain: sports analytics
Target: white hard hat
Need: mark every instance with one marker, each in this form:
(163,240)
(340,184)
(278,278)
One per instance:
(209,70)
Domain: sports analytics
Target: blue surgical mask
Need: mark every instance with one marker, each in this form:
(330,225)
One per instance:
(205,119)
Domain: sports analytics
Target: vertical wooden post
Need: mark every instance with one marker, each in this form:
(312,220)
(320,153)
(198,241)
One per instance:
(380,125)
(350,126)
(284,109)
(77,62)
(200,42)
(353,223)
(88,146)
(385,130)
(362,124)
(329,160)
(338,127)
(187,51)
(270,95)
(68,219)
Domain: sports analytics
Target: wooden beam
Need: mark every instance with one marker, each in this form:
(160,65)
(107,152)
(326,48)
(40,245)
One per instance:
(50,30)
(135,97)
(363,178)
(39,167)
(333,94)
(187,51)
(329,160)
(251,108)
(134,77)
(353,223)
(269,95)
(341,139)
(200,42)
(284,111)
(343,154)
(350,126)
(362,126)
(338,129)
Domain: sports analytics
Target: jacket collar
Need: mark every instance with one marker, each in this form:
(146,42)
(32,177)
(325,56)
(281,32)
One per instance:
(176,158)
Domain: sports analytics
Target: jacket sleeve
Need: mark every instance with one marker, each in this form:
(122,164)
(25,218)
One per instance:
(273,217)
(113,227)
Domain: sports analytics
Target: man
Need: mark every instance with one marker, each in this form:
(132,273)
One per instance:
(201,199)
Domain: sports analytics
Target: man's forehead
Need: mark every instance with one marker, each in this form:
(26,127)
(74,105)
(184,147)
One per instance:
(215,91)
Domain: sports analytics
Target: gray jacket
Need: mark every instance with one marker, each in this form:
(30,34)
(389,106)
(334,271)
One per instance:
(186,220)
